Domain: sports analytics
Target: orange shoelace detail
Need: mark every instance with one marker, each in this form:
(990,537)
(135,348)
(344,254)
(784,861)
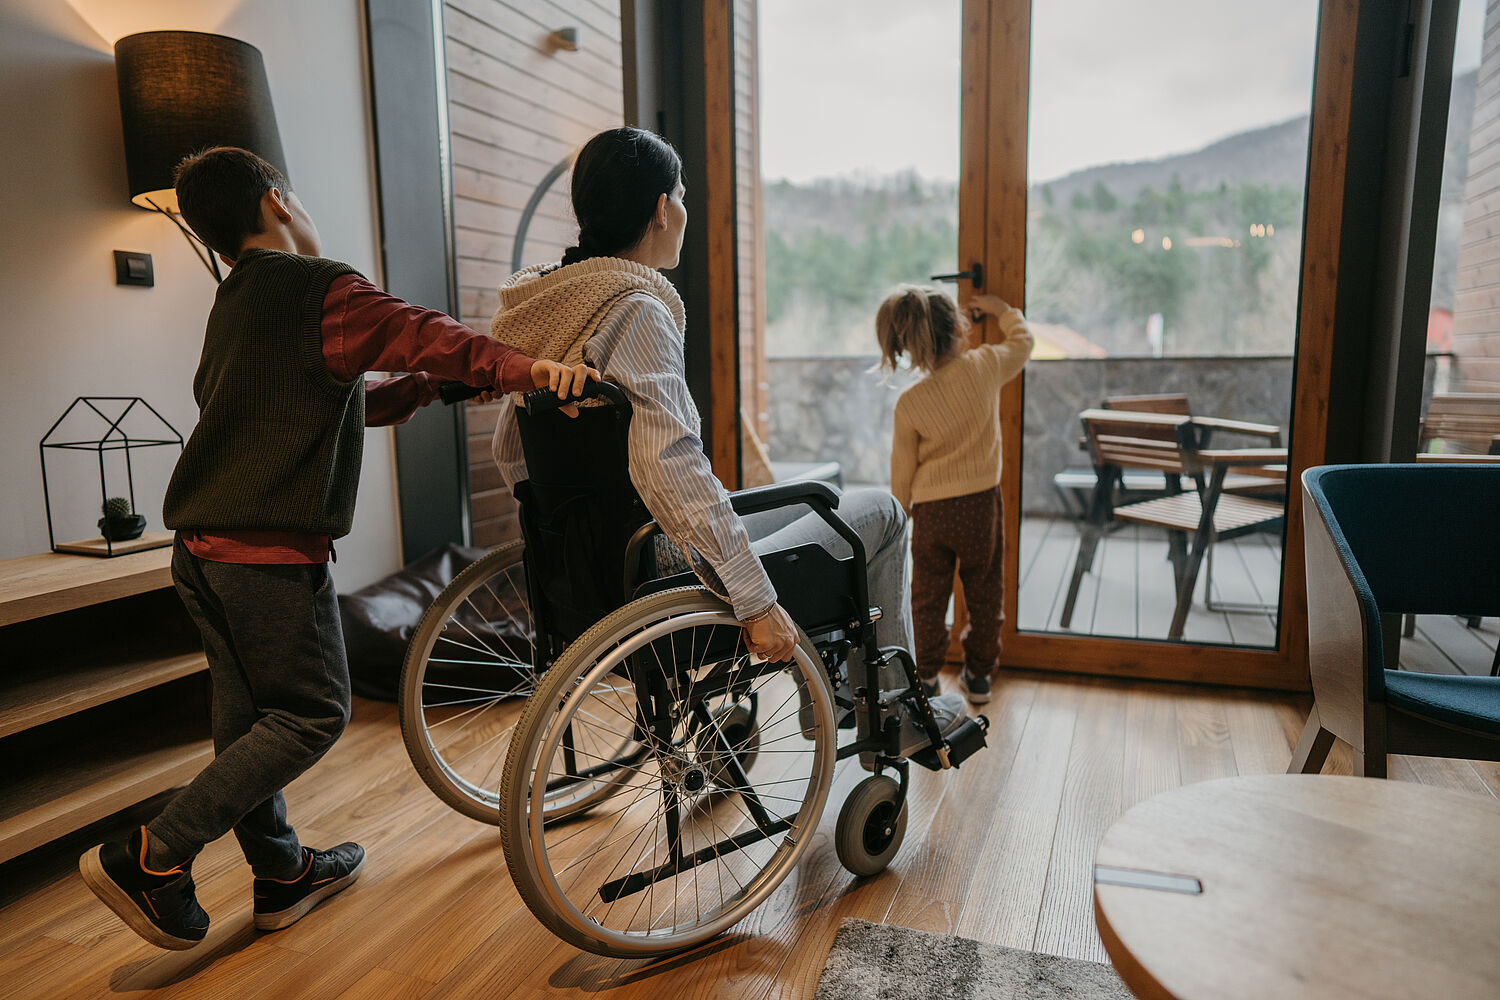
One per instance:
(151,871)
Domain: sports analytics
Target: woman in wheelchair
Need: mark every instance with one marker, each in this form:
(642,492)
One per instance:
(686,674)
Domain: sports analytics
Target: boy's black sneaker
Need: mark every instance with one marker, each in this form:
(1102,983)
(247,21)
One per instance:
(976,686)
(159,906)
(280,903)
(931,687)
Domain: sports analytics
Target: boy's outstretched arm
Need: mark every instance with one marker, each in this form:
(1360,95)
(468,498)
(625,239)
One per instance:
(367,329)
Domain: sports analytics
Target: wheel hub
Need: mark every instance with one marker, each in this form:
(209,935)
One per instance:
(685,774)
(880,827)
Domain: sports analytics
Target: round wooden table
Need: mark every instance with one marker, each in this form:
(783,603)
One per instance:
(1311,886)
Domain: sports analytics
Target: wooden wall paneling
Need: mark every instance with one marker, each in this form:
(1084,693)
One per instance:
(508,29)
(488,93)
(502,191)
(516,108)
(1476,319)
(496,161)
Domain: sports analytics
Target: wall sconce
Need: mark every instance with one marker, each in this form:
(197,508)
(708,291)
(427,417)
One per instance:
(182,92)
(563,39)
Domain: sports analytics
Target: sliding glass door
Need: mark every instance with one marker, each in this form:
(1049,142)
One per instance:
(1149,193)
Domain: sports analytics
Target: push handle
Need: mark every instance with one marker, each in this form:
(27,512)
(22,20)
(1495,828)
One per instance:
(457,392)
(538,400)
(543,400)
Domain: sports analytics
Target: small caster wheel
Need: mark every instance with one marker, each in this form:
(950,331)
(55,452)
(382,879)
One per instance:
(870,830)
(737,723)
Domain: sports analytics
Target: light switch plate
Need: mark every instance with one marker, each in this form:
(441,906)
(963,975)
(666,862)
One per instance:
(133,268)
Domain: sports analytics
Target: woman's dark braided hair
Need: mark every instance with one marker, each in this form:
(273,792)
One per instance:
(617,179)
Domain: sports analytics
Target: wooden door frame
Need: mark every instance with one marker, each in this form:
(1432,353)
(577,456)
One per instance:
(1003,27)
(679,82)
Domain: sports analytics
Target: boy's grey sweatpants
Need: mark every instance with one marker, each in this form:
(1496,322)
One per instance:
(280,700)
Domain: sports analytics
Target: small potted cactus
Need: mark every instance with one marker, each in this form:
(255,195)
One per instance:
(118,523)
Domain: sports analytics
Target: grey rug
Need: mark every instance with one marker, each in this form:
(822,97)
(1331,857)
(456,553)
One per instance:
(895,963)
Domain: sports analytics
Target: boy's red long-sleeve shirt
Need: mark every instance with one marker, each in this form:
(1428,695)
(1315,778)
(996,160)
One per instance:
(365,329)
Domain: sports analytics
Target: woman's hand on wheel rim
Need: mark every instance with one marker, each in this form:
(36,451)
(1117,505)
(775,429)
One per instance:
(773,636)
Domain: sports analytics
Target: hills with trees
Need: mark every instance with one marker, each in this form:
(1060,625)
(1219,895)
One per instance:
(1210,240)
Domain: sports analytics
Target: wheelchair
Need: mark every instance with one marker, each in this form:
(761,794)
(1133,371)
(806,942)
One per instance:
(654,781)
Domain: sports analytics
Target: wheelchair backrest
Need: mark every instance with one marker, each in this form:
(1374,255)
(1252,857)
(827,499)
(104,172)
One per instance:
(578,511)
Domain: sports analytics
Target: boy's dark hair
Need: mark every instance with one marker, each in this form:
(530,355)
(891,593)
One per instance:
(617,179)
(219,192)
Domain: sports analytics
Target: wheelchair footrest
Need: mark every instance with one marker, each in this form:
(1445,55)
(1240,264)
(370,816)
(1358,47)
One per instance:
(965,741)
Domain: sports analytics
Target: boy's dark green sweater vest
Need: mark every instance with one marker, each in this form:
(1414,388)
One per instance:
(279,441)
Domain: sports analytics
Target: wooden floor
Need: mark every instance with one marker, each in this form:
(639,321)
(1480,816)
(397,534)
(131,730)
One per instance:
(999,850)
(1129,593)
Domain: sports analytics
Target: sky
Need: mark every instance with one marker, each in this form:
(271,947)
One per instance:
(871,86)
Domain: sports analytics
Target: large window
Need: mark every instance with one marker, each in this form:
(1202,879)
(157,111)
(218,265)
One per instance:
(859,146)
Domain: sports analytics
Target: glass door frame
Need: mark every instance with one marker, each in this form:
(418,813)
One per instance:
(992,230)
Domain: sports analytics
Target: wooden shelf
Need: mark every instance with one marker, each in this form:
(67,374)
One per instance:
(103,693)
(79,792)
(49,583)
(41,694)
(98,547)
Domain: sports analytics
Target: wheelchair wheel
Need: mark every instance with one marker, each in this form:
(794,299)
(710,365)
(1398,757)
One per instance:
(870,830)
(708,821)
(741,740)
(468,667)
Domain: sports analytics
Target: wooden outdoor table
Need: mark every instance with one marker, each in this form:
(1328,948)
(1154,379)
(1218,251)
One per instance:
(1311,886)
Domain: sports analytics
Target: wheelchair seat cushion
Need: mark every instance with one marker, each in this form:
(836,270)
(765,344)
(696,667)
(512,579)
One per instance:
(1468,703)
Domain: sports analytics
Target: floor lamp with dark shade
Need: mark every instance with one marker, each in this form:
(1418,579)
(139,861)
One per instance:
(182,92)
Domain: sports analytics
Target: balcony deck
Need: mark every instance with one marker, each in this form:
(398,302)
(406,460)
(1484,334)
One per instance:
(1130,594)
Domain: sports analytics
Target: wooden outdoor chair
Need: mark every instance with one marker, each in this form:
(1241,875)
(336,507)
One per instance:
(1468,419)
(1383,541)
(1076,485)
(1174,445)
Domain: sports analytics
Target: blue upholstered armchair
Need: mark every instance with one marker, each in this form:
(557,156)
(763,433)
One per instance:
(1383,541)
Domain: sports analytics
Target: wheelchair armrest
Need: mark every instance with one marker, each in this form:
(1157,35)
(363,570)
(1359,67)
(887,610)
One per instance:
(811,492)
(821,497)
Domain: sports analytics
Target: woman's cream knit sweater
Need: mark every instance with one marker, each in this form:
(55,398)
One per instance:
(550,312)
(947,429)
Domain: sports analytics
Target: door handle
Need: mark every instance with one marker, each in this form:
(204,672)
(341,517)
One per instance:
(974,275)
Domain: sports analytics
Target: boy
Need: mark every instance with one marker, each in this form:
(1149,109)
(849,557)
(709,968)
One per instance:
(265,483)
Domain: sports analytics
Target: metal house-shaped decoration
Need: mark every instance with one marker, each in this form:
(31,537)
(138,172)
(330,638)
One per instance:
(120,425)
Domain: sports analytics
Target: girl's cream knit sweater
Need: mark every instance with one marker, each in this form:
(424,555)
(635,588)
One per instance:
(947,429)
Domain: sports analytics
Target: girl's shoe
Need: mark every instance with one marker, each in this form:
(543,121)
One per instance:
(976,686)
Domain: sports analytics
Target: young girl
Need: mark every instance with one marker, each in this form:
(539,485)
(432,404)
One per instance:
(945,468)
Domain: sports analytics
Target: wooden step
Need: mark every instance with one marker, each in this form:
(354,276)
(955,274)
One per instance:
(77,794)
(38,693)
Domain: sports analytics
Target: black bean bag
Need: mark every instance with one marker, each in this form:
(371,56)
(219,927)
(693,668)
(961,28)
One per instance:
(379,619)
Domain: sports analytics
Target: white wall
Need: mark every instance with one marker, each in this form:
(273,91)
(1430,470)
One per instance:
(66,329)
